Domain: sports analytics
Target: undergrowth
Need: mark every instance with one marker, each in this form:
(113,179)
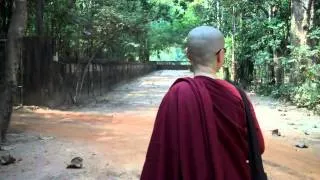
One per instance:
(306,95)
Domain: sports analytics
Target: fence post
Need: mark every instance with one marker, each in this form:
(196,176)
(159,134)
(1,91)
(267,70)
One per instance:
(21,74)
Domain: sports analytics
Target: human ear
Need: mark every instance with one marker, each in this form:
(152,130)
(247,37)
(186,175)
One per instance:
(188,54)
(220,60)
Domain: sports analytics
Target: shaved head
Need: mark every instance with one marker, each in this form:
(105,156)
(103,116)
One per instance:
(202,45)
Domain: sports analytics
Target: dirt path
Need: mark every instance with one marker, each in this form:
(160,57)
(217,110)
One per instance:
(112,135)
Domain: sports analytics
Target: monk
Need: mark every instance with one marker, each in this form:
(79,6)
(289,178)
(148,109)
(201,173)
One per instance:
(200,130)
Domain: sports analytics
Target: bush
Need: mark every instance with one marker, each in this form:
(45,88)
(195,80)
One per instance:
(307,95)
(282,92)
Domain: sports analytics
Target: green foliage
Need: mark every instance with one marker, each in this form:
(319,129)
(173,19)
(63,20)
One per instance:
(169,33)
(283,92)
(80,27)
(262,36)
(305,91)
(263,51)
(305,57)
(228,55)
(170,54)
(307,95)
(315,34)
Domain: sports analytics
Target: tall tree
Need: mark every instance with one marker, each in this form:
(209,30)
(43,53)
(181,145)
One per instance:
(15,32)
(302,11)
(302,16)
(39,17)
(5,12)
(233,60)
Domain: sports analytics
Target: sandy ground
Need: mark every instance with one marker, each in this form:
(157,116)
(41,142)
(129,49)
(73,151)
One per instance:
(112,135)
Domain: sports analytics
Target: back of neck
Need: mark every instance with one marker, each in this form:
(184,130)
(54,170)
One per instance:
(205,71)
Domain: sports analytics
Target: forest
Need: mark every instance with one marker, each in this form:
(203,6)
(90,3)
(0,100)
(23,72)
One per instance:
(273,46)
(81,82)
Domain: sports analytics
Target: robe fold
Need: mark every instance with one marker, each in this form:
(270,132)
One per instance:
(200,133)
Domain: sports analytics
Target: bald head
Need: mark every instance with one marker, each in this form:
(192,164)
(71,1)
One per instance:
(202,45)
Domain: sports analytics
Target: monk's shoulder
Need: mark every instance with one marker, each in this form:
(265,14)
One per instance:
(182,88)
(230,89)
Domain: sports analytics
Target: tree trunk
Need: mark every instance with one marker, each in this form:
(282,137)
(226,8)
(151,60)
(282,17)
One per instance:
(302,15)
(15,32)
(144,53)
(271,74)
(5,12)
(39,17)
(278,69)
(226,73)
(222,18)
(218,12)
(314,24)
(301,20)
(233,60)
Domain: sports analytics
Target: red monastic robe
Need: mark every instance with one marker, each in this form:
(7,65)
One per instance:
(200,133)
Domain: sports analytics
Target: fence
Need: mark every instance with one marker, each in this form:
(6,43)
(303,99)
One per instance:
(43,81)
(172,65)
(3,40)
(51,83)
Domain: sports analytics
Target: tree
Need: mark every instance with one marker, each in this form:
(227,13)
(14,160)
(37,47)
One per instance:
(15,32)
(302,20)
(39,17)
(268,42)
(5,11)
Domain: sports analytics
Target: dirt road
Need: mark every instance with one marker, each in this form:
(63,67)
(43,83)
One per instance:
(112,135)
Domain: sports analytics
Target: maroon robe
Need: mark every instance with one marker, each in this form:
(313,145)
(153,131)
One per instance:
(200,133)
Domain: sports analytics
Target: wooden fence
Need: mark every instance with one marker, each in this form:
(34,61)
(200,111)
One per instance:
(45,80)
(2,56)
(51,83)
(172,65)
